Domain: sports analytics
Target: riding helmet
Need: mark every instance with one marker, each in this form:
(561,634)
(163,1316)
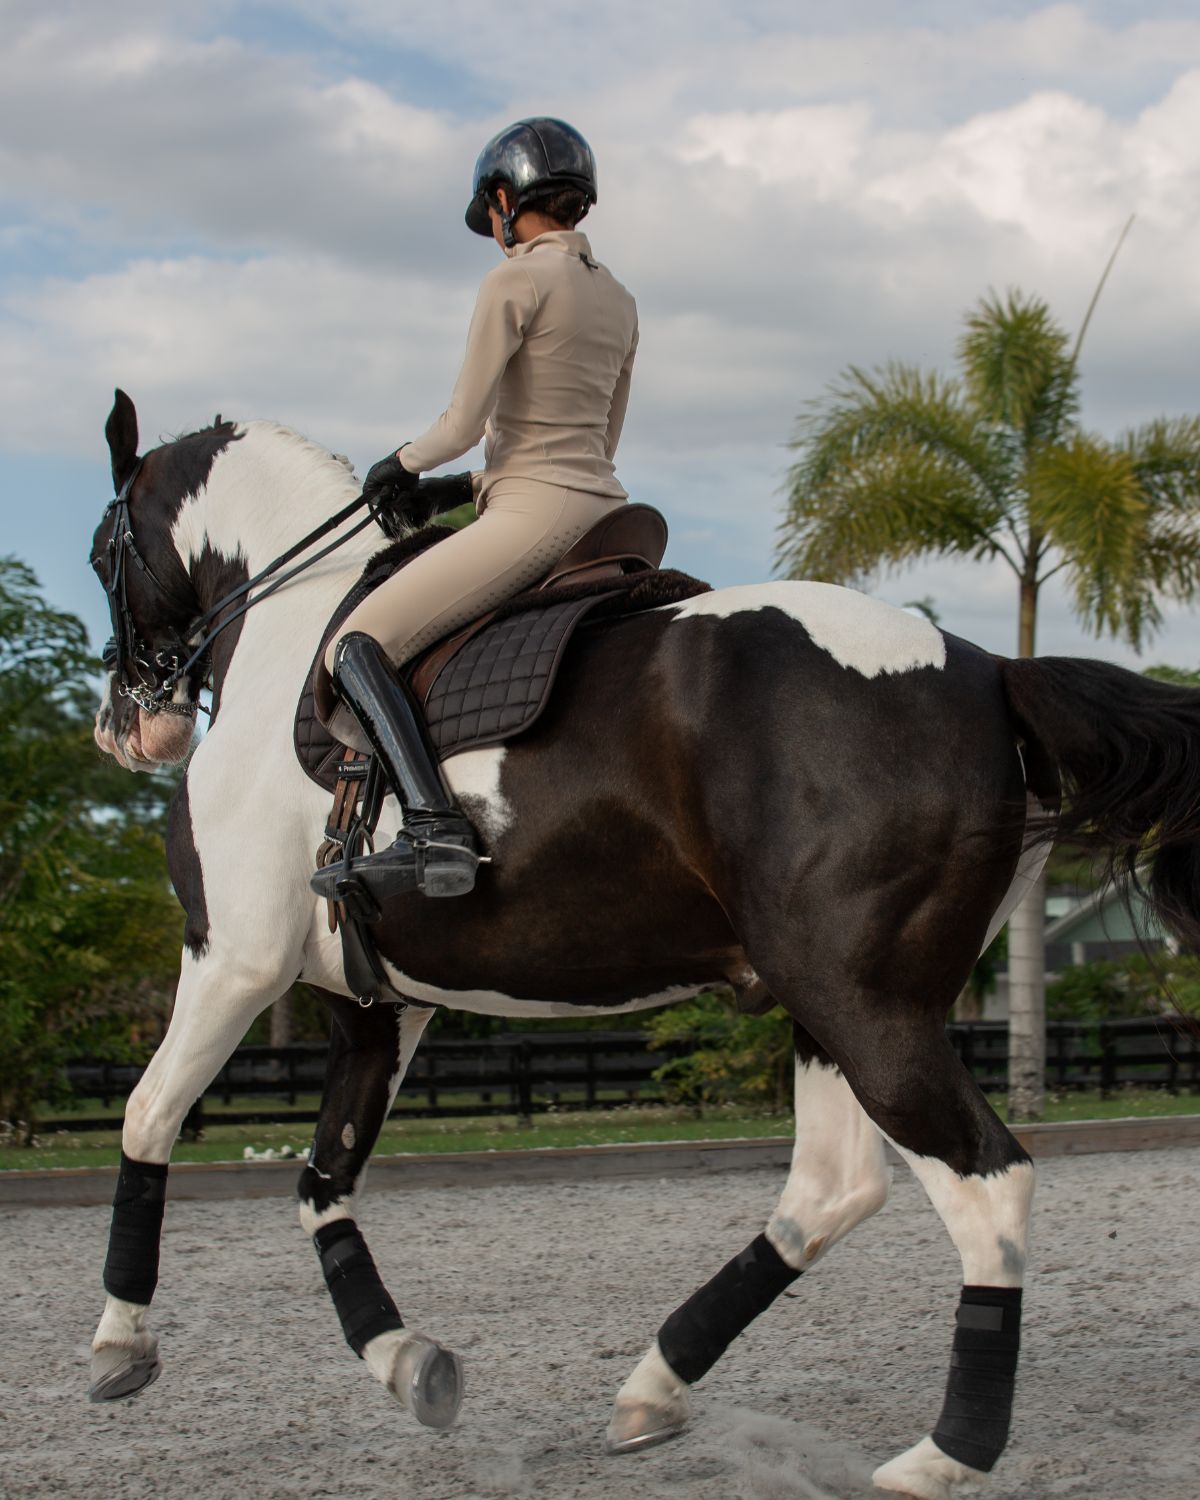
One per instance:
(537,156)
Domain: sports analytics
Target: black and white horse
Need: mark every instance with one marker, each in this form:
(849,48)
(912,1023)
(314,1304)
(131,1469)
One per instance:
(787,786)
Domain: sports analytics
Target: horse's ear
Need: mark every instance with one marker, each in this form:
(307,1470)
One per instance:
(121,430)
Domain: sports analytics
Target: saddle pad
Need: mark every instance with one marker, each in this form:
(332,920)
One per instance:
(491,690)
(497,684)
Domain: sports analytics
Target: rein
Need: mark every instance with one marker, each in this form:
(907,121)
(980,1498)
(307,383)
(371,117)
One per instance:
(125,646)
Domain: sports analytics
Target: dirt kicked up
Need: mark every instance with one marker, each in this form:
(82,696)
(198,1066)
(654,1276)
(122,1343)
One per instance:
(552,1292)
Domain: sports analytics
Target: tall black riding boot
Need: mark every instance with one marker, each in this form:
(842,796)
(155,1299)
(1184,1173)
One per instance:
(435,850)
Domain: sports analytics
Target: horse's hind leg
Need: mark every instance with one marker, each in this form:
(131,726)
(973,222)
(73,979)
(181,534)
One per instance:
(838,1178)
(214,1005)
(370,1050)
(981,1183)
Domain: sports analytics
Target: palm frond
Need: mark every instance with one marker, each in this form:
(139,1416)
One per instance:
(1165,454)
(1165,457)
(888,508)
(891,467)
(1086,499)
(1017,368)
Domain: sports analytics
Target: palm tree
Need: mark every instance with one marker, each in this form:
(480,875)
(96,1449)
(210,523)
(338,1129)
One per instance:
(898,464)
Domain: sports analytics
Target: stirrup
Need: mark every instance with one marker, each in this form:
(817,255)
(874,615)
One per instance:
(437,861)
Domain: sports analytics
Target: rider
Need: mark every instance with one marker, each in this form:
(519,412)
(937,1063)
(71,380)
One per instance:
(545,382)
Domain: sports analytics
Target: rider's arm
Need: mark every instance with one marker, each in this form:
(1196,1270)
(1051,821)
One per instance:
(507,301)
(620,400)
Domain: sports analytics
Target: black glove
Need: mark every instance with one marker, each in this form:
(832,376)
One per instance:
(446,492)
(388,482)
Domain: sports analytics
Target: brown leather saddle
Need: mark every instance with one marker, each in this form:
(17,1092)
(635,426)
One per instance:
(492,679)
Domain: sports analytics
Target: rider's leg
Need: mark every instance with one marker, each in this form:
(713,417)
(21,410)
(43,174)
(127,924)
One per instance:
(435,850)
(838,1178)
(521,533)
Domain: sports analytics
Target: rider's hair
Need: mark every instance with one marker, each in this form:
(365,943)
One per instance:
(566,206)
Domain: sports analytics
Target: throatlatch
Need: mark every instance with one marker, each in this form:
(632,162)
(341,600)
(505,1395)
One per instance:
(696,1335)
(363,1303)
(131,1266)
(973,1426)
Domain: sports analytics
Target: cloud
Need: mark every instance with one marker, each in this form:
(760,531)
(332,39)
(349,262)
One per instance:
(215,215)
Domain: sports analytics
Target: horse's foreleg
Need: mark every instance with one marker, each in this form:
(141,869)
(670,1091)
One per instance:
(213,1007)
(838,1178)
(369,1054)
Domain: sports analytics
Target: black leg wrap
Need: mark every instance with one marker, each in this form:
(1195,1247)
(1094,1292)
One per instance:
(131,1266)
(973,1426)
(696,1335)
(361,1299)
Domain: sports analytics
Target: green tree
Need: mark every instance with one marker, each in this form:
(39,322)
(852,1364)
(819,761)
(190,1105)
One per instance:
(89,929)
(730,1058)
(899,464)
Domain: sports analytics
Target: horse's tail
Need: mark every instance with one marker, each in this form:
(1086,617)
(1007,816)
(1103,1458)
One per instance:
(1128,751)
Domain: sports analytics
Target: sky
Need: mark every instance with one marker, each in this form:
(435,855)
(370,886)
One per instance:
(255,207)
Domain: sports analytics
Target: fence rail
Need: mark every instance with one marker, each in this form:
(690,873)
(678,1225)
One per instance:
(525,1073)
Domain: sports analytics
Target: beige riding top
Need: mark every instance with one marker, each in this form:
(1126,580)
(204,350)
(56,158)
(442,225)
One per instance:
(546,375)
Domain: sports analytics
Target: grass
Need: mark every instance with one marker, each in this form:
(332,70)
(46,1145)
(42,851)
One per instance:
(506,1133)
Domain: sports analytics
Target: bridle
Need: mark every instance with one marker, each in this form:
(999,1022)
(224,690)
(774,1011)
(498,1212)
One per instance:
(156,672)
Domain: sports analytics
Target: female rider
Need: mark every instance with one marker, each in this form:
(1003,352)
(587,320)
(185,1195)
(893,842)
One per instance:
(545,382)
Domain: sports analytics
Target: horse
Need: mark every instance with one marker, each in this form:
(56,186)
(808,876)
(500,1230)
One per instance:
(793,788)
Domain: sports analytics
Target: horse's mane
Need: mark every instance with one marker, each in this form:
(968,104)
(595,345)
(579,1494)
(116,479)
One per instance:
(274,430)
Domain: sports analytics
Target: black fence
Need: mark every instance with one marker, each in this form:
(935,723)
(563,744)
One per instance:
(530,1072)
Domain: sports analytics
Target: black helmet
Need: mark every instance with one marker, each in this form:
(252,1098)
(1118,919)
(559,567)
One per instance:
(537,156)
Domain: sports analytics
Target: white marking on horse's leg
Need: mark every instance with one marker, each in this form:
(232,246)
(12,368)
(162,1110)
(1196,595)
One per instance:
(651,1406)
(312,1219)
(924,1472)
(474,778)
(987,1217)
(839,1174)
(122,1325)
(861,633)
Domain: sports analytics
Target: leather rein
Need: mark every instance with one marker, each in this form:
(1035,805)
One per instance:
(158,671)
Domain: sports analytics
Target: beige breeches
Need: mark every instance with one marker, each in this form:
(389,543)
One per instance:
(524,529)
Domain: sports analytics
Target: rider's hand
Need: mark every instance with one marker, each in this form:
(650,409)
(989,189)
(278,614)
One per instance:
(388,483)
(445,492)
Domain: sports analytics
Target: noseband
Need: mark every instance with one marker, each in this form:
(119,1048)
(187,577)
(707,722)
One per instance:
(157,671)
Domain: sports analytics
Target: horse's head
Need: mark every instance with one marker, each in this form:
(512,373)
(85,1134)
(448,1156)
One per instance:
(144,719)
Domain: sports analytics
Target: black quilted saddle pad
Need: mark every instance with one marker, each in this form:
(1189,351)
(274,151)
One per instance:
(497,685)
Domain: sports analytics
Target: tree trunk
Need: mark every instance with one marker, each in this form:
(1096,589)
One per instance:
(1027,957)
(281,1021)
(1027,1007)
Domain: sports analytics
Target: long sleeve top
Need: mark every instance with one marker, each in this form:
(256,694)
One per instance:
(546,375)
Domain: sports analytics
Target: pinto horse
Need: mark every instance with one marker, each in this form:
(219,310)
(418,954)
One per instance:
(789,787)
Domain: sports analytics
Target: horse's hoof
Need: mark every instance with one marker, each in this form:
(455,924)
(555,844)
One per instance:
(121,1372)
(637,1424)
(437,1387)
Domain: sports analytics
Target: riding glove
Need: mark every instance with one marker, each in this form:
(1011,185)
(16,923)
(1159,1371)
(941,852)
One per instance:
(388,483)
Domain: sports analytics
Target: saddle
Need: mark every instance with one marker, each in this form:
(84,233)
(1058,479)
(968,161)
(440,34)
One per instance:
(492,679)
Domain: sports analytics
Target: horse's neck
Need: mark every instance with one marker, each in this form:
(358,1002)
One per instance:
(265,492)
